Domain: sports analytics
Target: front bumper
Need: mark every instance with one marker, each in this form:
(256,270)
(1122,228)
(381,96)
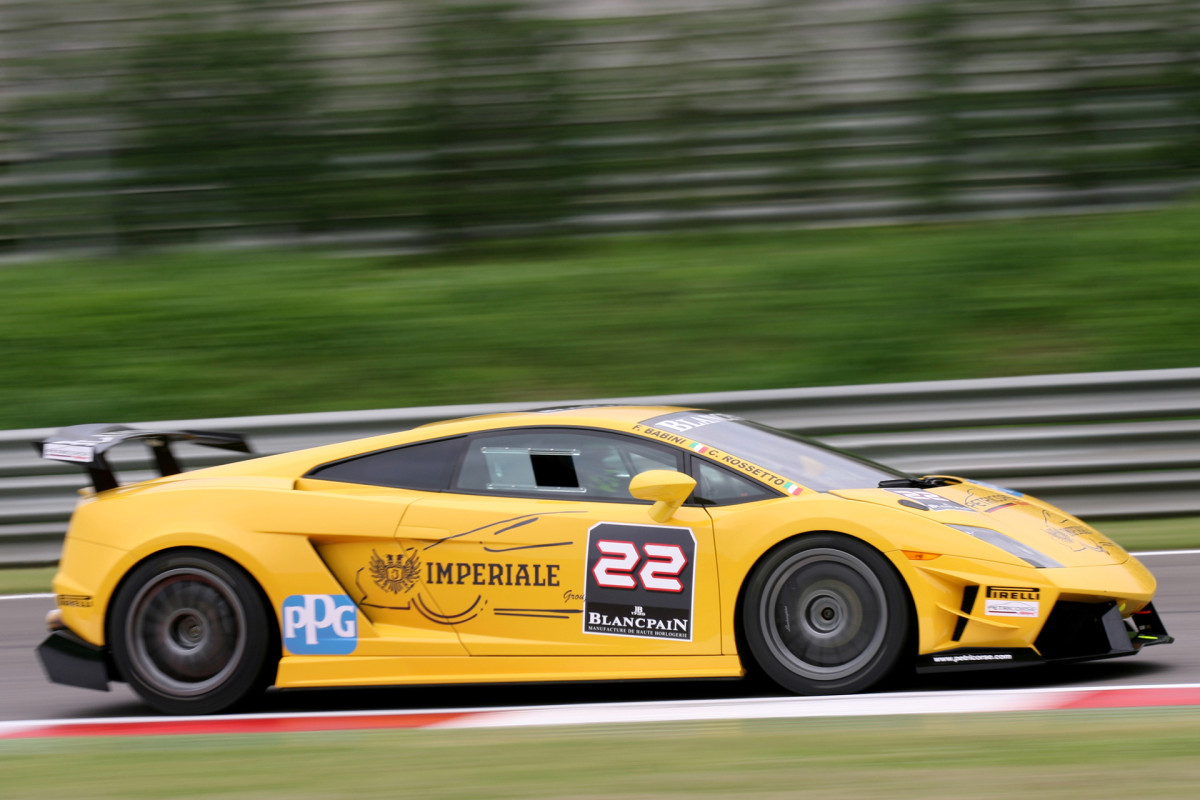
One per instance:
(1073,632)
(69,660)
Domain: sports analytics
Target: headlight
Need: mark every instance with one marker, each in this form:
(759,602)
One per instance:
(1008,545)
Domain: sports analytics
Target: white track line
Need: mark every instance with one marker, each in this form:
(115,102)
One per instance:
(791,707)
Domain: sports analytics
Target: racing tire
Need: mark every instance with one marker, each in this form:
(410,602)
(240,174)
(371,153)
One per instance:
(190,633)
(825,614)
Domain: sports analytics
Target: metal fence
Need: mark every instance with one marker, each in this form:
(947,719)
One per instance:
(1101,445)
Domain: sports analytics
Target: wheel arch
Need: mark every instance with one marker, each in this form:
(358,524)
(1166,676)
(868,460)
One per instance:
(274,638)
(743,650)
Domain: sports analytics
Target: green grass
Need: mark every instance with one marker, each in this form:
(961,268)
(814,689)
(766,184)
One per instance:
(165,336)
(25,580)
(1176,533)
(1094,754)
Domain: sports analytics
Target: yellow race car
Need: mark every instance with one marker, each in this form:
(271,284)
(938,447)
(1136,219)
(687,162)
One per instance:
(583,543)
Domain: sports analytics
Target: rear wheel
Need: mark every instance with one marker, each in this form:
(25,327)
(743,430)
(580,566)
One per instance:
(190,633)
(825,614)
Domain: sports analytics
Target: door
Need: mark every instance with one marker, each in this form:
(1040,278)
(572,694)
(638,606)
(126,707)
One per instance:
(538,549)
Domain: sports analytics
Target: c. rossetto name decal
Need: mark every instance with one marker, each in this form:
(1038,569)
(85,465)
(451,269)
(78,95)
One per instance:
(639,581)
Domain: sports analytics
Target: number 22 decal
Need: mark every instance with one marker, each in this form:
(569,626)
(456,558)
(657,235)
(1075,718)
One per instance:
(659,573)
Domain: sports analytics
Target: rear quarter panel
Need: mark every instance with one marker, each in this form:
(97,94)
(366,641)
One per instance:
(260,525)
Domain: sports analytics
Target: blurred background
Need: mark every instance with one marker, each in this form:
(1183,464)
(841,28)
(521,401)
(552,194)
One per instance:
(261,206)
(130,123)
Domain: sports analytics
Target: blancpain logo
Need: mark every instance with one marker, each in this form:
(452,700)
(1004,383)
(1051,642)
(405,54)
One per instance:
(638,581)
(675,625)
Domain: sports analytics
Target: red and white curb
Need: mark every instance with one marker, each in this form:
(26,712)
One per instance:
(672,711)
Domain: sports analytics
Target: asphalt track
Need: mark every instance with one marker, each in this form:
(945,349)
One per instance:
(26,695)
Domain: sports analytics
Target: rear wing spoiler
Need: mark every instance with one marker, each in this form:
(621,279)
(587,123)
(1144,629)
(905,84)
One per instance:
(86,445)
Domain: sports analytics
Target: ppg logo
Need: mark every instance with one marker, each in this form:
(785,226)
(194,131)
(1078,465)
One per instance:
(320,624)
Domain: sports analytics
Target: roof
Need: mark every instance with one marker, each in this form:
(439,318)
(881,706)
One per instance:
(612,417)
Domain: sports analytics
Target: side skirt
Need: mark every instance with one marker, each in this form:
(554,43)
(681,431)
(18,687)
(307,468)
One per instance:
(309,671)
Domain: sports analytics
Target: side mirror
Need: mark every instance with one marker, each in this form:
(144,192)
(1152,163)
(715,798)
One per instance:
(666,487)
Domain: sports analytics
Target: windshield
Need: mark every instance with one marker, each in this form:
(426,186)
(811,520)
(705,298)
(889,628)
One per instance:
(804,461)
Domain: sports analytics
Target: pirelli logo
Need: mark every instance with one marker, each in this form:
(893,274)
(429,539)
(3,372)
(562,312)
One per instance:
(1013,601)
(1013,593)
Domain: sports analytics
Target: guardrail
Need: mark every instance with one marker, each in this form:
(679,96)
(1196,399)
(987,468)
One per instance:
(1101,445)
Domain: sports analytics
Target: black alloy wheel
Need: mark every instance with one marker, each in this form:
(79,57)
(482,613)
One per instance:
(190,633)
(825,614)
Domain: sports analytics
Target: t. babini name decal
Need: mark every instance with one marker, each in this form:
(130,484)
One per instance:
(639,581)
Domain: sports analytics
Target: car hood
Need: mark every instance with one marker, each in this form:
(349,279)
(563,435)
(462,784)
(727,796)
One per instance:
(1047,529)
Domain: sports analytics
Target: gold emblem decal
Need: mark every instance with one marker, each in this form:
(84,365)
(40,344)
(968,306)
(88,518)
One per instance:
(395,573)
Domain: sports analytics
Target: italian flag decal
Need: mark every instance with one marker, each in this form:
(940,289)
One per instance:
(792,488)
(699,448)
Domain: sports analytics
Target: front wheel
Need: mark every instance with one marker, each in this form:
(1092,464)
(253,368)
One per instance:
(190,633)
(825,614)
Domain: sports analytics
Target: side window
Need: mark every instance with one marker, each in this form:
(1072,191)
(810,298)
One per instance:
(716,486)
(522,469)
(426,466)
(576,464)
